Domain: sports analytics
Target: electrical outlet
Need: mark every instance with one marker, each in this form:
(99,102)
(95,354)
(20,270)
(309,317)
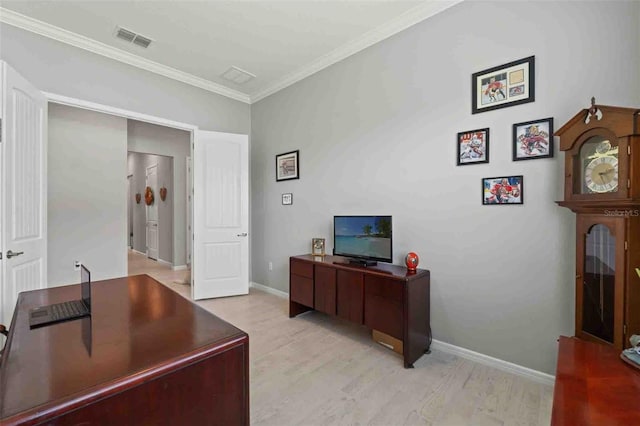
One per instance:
(271,266)
(76,265)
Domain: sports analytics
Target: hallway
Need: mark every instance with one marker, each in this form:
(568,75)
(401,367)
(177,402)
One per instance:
(140,264)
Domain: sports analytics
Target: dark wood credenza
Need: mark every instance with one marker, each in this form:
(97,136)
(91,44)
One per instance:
(145,356)
(386,298)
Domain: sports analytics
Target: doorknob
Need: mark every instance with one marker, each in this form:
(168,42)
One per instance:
(10,254)
(244,234)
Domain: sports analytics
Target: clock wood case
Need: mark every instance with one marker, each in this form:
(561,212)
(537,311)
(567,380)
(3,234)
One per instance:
(602,186)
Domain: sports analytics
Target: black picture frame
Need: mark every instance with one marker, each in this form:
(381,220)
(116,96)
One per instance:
(533,139)
(473,147)
(503,190)
(287,199)
(288,166)
(503,86)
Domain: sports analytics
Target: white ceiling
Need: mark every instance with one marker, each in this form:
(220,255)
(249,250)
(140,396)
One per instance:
(280,42)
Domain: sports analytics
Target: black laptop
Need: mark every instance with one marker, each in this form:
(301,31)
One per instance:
(65,311)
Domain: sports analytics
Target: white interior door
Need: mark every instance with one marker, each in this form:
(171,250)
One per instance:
(220,215)
(189,210)
(152,213)
(23,198)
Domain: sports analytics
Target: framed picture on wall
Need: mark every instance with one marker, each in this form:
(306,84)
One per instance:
(473,147)
(502,190)
(287,166)
(503,86)
(287,199)
(533,139)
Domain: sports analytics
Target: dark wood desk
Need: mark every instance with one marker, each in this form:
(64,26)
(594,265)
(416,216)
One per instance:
(146,356)
(594,386)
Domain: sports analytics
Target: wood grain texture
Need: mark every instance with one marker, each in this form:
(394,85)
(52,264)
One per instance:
(141,346)
(385,303)
(594,386)
(321,370)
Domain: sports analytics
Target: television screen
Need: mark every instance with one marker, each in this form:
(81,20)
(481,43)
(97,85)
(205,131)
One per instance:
(363,237)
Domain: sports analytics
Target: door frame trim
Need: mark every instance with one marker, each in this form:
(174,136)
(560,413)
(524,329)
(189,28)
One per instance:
(121,112)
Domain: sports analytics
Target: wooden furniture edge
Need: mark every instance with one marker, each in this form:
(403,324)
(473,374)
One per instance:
(51,410)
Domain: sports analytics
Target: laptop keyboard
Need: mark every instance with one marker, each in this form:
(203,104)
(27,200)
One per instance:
(67,310)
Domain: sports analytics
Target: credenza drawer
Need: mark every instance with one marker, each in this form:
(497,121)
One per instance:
(301,290)
(383,314)
(301,268)
(384,287)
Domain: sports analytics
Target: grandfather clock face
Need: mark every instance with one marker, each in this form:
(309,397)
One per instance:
(598,162)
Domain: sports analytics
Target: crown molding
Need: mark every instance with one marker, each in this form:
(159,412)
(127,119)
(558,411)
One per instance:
(15,19)
(409,18)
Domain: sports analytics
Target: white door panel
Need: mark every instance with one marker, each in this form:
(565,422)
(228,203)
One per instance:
(152,213)
(221,215)
(23,198)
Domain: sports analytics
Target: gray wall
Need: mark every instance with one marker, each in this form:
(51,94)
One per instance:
(66,70)
(86,196)
(376,134)
(173,143)
(138,164)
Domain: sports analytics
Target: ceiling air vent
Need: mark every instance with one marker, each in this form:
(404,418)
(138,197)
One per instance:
(131,37)
(237,75)
(142,41)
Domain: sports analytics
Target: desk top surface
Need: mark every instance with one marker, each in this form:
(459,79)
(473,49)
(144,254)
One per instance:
(137,326)
(594,386)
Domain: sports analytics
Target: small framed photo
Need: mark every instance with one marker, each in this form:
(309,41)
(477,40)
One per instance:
(473,147)
(533,139)
(287,166)
(502,190)
(317,246)
(503,86)
(287,199)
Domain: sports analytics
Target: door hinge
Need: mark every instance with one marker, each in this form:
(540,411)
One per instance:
(628,183)
(624,330)
(629,149)
(626,246)
(0,255)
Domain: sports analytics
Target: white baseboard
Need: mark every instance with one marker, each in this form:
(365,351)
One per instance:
(179,267)
(509,367)
(164,262)
(269,290)
(139,252)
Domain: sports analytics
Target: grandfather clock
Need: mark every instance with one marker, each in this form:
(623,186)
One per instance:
(602,186)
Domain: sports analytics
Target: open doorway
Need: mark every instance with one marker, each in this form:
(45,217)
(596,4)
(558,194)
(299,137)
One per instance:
(151,206)
(157,158)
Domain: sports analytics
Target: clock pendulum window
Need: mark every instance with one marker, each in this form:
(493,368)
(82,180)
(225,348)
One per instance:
(602,186)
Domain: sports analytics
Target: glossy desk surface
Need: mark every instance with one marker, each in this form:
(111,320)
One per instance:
(594,386)
(138,327)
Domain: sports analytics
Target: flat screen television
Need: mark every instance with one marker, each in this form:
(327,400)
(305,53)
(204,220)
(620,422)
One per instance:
(363,239)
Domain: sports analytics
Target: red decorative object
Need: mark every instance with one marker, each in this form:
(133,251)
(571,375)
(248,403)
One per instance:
(148,195)
(138,198)
(163,193)
(412,261)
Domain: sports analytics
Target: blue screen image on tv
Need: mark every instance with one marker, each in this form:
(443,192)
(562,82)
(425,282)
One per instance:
(367,237)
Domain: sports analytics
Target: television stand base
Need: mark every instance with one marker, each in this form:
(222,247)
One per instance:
(362,262)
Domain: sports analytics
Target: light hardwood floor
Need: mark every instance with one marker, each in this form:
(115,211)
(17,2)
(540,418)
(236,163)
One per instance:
(319,370)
